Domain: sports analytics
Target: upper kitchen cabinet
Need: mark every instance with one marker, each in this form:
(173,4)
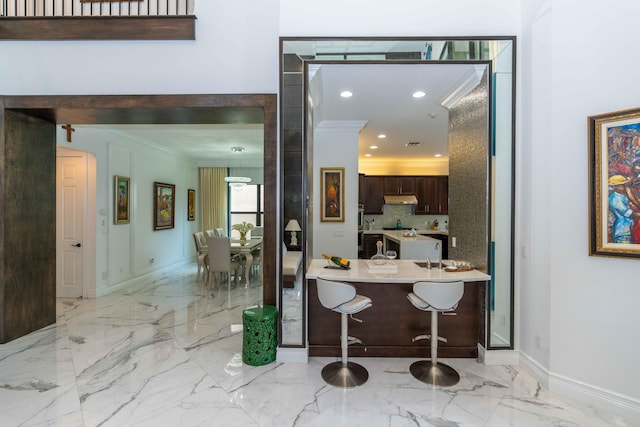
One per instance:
(399,185)
(443,194)
(361,189)
(373,194)
(432,193)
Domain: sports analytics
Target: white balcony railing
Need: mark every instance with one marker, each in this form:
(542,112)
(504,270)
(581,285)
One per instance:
(73,8)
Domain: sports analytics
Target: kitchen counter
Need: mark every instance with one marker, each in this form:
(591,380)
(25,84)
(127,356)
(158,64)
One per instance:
(421,231)
(390,324)
(407,271)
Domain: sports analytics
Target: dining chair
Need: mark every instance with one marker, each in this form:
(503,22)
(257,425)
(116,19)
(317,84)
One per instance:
(219,232)
(220,260)
(201,253)
(256,262)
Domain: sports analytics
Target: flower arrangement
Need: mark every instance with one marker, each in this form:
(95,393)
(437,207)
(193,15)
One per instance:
(243,228)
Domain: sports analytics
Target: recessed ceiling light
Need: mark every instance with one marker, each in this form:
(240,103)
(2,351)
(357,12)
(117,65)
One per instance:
(367,155)
(237,149)
(418,94)
(438,155)
(346,94)
(382,136)
(373,147)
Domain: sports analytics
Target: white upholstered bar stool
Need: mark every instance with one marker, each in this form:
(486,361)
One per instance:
(435,297)
(342,298)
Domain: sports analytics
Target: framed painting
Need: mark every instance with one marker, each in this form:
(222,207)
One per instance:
(332,194)
(191,205)
(614,181)
(163,206)
(121,193)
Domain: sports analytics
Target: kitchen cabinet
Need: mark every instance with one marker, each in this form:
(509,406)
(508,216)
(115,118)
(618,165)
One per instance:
(399,185)
(369,247)
(432,193)
(373,194)
(443,194)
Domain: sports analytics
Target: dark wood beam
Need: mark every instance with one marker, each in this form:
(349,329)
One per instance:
(98,28)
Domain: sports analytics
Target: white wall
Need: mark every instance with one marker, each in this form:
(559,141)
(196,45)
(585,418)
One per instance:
(124,251)
(577,61)
(584,309)
(335,145)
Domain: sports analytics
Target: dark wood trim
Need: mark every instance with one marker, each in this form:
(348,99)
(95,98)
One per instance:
(128,109)
(98,28)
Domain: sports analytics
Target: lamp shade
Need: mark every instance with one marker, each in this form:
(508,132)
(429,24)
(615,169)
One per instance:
(293,225)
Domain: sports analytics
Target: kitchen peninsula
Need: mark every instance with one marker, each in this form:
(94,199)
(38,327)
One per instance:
(389,326)
(417,247)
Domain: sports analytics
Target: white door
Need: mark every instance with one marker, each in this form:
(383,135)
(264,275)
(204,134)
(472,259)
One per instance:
(70,201)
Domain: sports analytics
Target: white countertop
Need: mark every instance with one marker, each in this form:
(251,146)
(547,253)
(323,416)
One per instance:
(378,231)
(407,272)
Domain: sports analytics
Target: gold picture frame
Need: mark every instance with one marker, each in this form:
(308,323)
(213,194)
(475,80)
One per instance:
(332,194)
(614,181)
(191,205)
(122,195)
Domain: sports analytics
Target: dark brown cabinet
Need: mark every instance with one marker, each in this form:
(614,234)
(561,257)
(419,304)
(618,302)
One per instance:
(443,194)
(369,247)
(373,194)
(432,193)
(399,185)
(381,330)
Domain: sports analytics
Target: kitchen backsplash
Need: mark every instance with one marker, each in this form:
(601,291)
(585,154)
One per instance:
(405,214)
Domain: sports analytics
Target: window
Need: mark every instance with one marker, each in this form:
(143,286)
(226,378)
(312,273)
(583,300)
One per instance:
(246,203)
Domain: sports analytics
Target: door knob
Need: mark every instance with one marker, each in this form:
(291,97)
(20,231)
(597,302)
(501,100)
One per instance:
(77,245)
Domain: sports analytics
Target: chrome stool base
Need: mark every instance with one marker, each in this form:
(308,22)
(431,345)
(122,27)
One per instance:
(437,375)
(338,375)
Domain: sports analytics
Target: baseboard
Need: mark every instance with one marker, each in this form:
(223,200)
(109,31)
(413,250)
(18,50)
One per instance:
(611,401)
(152,275)
(498,357)
(292,355)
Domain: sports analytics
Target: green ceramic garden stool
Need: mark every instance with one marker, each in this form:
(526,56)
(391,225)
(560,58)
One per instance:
(260,338)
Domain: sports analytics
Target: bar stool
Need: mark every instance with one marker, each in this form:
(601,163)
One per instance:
(342,298)
(435,297)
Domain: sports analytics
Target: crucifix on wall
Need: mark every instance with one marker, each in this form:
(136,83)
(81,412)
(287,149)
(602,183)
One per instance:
(69,130)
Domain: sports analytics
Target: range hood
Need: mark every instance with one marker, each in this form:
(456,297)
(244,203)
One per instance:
(404,199)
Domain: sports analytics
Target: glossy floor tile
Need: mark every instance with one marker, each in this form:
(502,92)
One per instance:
(167,353)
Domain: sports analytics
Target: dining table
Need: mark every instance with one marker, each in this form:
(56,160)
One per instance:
(244,247)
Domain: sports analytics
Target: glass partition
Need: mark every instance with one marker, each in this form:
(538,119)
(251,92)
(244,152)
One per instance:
(297,157)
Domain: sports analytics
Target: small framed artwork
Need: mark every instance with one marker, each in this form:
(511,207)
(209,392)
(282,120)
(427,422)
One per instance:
(332,194)
(163,206)
(191,205)
(614,184)
(121,193)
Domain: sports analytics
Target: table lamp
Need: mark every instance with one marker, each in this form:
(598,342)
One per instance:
(293,227)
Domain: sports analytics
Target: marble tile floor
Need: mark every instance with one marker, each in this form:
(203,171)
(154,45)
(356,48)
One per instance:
(164,353)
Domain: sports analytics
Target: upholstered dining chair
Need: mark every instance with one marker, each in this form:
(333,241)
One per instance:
(220,261)
(201,254)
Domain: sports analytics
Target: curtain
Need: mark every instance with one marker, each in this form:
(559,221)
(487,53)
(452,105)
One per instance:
(214,201)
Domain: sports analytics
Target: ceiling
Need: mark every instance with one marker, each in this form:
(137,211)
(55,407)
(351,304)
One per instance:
(207,144)
(382,96)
